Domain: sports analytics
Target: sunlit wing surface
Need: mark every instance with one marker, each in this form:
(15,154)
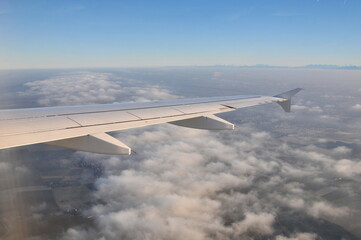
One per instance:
(84,127)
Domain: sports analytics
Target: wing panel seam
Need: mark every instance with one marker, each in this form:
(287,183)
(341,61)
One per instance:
(139,108)
(80,125)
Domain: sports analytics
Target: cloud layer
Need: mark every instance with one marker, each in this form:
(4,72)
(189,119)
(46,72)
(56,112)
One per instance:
(203,185)
(89,88)
(192,184)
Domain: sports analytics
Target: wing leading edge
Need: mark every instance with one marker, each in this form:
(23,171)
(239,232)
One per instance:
(83,127)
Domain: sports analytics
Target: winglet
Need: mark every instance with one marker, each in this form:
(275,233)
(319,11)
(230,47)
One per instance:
(286,103)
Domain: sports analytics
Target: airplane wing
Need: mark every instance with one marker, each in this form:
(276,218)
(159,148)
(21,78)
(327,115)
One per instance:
(84,128)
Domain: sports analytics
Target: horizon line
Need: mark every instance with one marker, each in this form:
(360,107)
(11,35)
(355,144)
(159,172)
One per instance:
(254,66)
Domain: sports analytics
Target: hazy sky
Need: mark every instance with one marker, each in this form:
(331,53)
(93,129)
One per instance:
(94,33)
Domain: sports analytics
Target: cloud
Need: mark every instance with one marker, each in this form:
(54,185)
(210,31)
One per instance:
(261,224)
(348,168)
(90,88)
(356,106)
(4,11)
(4,166)
(8,168)
(315,109)
(310,109)
(323,209)
(298,107)
(290,201)
(299,236)
(80,234)
(285,14)
(217,74)
(342,150)
(330,162)
(71,8)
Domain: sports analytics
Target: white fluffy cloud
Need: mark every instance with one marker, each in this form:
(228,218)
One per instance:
(186,183)
(341,150)
(310,108)
(348,168)
(324,209)
(298,107)
(174,189)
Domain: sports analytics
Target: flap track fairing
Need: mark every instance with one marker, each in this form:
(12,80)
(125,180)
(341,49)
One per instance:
(96,143)
(209,122)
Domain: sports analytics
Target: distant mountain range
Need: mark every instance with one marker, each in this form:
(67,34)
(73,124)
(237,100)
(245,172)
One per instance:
(311,66)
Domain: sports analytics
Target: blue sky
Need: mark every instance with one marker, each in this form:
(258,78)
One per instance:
(94,33)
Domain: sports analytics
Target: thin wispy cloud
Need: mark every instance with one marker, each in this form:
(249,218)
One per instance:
(356,106)
(239,14)
(72,8)
(286,14)
(3,12)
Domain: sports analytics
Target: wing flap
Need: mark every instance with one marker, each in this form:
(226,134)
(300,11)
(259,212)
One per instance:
(198,108)
(102,118)
(155,112)
(30,125)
